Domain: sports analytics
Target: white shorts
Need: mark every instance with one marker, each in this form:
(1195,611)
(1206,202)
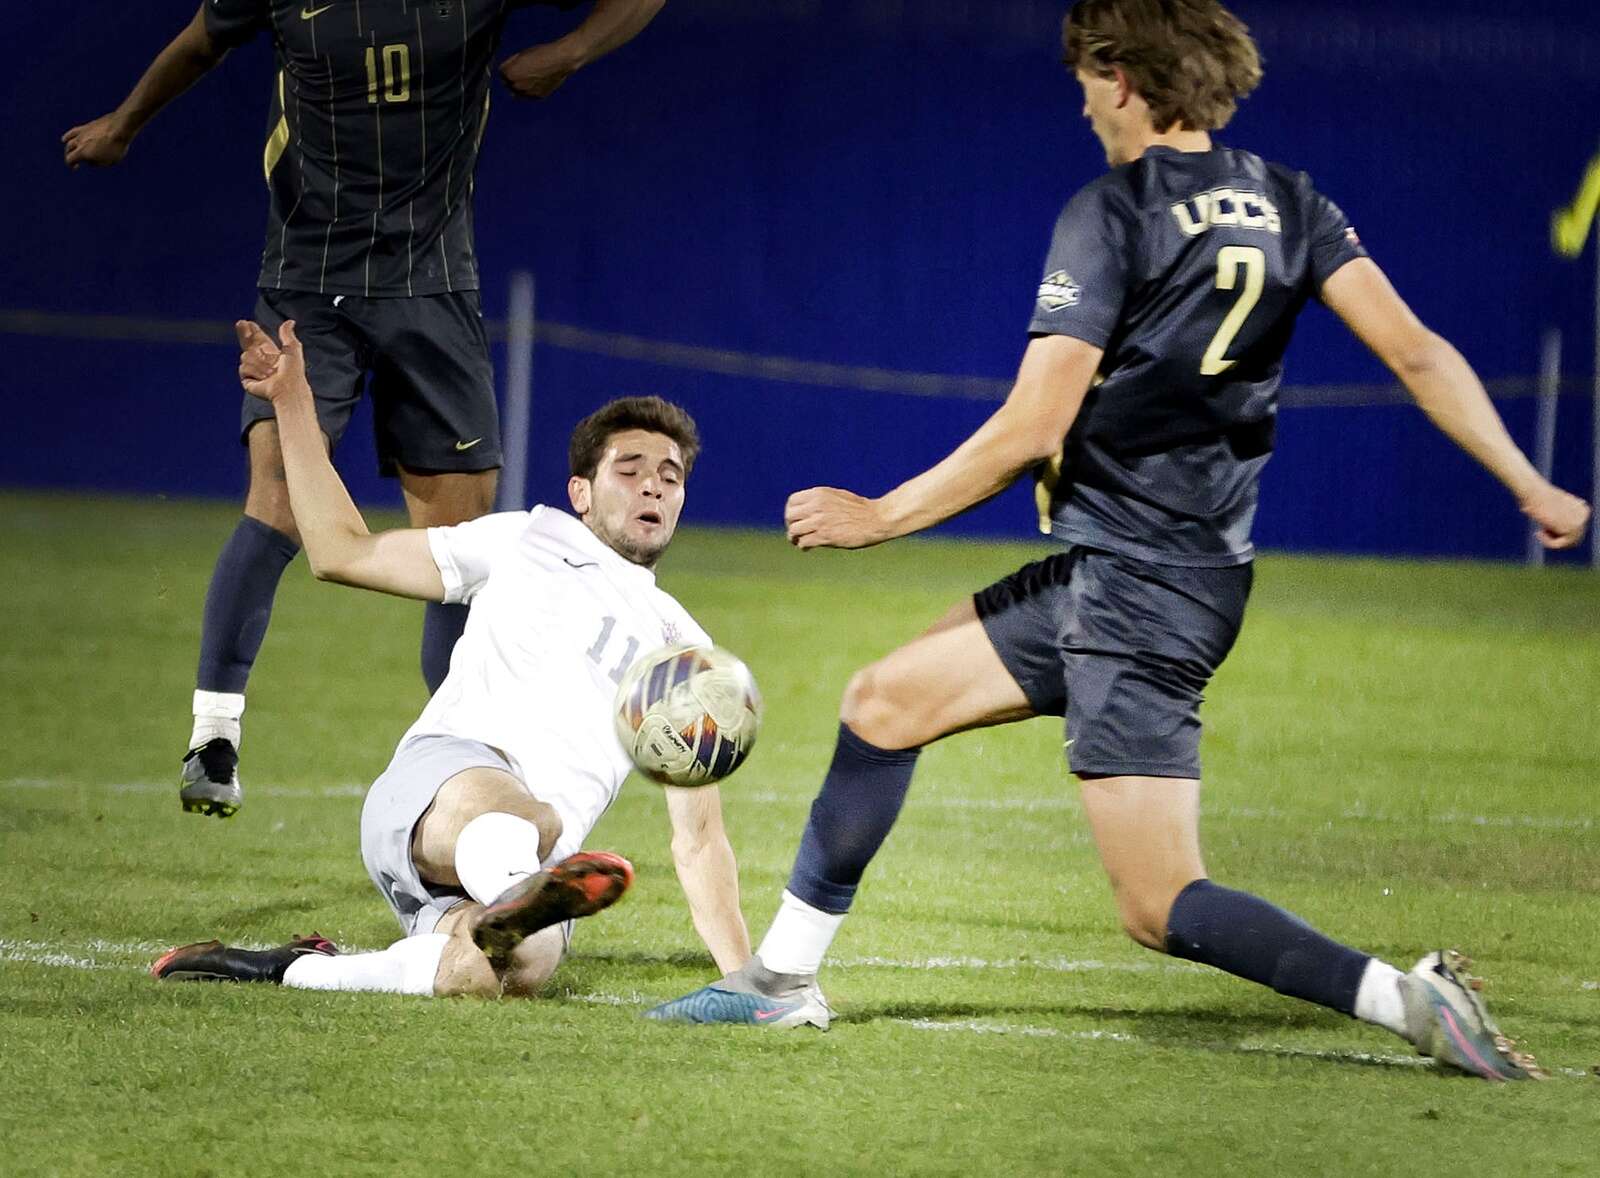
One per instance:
(404,791)
(395,804)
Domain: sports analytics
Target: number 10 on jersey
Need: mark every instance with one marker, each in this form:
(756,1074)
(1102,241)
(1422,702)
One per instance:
(396,82)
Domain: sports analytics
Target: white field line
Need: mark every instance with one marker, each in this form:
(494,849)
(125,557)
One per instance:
(1049,804)
(100,954)
(154,787)
(974,1027)
(87,954)
(1044,964)
(1063,804)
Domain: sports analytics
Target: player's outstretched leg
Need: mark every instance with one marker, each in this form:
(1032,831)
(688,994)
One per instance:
(946,680)
(426,964)
(579,885)
(1147,832)
(212,961)
(861,797)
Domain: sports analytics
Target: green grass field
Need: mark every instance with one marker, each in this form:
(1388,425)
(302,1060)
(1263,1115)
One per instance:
(1405,754)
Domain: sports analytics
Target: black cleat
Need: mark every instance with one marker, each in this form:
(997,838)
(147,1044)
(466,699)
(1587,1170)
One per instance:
(212,961)
(210,781)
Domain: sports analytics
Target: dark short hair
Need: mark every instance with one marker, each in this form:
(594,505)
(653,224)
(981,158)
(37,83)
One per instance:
(1190,60)
(590,436)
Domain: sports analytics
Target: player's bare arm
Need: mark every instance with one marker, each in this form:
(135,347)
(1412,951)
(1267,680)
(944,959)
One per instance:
(1443,384)
(708,872)
(336,539)
(1028,429)
(188,57)
(539,70)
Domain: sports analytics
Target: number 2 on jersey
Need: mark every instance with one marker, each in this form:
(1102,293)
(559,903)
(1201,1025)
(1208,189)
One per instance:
(1230,259)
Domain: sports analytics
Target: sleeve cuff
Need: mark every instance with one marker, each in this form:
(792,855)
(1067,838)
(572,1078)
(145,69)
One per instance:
(449,573)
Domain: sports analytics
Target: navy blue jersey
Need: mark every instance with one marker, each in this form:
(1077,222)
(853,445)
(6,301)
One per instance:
(378,108)
(1189,269)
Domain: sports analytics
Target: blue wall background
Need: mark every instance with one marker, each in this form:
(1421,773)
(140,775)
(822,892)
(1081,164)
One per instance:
(864,182)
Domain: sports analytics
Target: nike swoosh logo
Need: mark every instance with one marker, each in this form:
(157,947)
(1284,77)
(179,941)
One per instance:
(766,1016)
(313,13)
(467,445)
(588,564)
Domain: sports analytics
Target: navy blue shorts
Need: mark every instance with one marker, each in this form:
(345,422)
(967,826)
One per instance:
(1122,648)
(432,385)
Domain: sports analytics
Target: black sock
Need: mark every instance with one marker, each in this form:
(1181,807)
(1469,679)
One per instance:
(441,626)
(1253,939)
(239,604)
(860,799)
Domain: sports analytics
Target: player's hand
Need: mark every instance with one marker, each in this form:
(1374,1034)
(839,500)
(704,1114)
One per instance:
(537,72)
(101,143)
(1558,517)
(827,517)
(271,370)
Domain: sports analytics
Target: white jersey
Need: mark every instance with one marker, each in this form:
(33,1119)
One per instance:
(556,620)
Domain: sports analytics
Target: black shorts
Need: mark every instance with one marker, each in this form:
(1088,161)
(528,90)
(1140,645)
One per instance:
(428,357)
(1122,648)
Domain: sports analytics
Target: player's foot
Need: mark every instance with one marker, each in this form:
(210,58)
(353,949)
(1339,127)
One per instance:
(754,995)
(580,885)
(212,961)
(1446,1018)
(210,782)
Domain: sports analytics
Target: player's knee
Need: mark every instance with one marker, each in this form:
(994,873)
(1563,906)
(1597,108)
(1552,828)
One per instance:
(542,815)
(1144,918)
(464,972)
(533,962)
(267,498)
(878,710)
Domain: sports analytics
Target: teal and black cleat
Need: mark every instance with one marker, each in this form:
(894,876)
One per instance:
(210,781)
(1446,1019)
(753,996)
(710,1004)
(212,961)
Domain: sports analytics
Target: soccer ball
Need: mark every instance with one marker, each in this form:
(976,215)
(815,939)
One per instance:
(688,715)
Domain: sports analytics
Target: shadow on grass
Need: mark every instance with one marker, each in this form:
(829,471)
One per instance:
(1214,1031)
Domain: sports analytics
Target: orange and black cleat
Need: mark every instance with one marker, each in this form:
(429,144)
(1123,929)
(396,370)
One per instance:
(580,885)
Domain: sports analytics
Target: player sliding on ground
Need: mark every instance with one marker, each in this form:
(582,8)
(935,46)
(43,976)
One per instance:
(1170,290)
(472,833)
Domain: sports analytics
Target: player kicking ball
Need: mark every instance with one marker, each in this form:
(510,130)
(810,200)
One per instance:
(1148,392)
(472,833)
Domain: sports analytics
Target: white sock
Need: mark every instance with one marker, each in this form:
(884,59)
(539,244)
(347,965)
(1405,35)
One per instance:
(405,967)
(799,937)
(216,713)
(495,851)
(1378,1000)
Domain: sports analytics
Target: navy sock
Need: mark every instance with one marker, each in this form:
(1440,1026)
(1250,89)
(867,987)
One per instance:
(860,799)
(1253,939)
(441,626)
(239,604)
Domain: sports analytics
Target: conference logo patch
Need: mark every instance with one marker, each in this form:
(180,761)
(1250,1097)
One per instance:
(1058,291)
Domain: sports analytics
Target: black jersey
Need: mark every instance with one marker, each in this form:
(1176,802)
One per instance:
(1189,269)
(377,111)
